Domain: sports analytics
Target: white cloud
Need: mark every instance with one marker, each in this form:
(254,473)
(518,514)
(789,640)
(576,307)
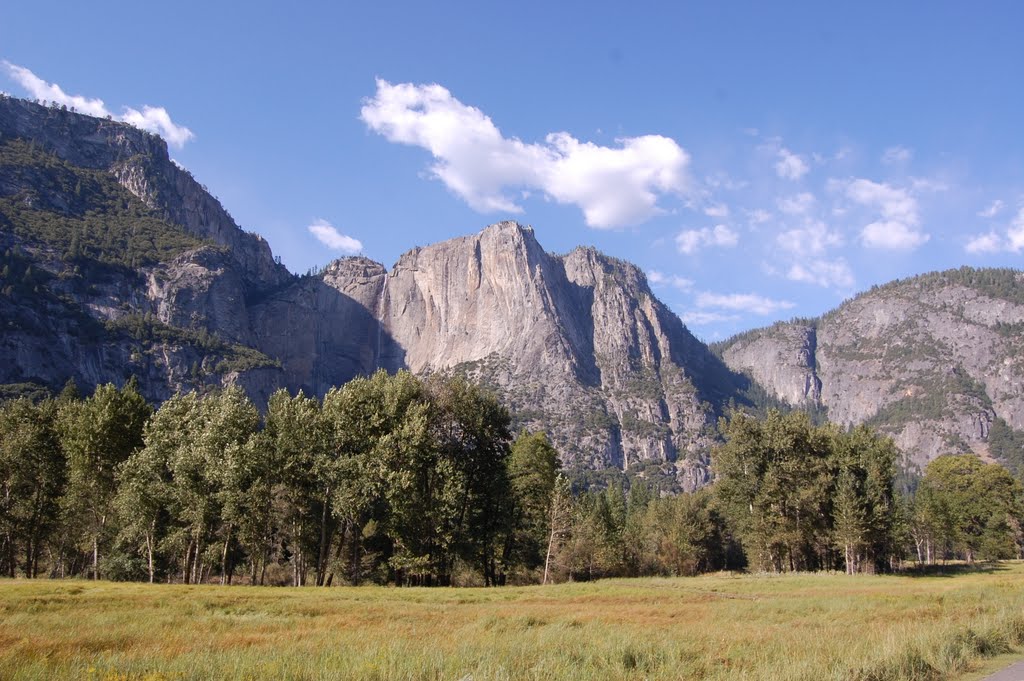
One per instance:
(927,184)
(702,318)
(721,180)
(892,235)
(742,302)
(152,119)
(155,119)
(985,243)
(898,227)
(894,203)
(823,273)
(661,279)
(40,89)
(797,204)
(993,242)
(758,216)
(790,166)
(717,210)
(614,187)
(994,209)
(1015,234)
(897,154)
(689,241)
(329,236)
(810,240)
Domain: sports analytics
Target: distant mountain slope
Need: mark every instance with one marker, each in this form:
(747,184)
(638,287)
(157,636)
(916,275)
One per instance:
(936,360)
(114,261)
(117,262)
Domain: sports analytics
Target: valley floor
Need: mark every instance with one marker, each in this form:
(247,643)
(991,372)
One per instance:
(726,626)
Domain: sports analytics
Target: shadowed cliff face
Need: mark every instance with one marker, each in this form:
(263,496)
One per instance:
(181,296)
(933,360)
(576,344)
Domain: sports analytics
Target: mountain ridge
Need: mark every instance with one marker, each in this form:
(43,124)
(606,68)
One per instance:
(117,262)
(576,343)
(933,360)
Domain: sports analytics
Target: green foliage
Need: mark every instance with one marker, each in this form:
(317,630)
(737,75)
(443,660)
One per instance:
(1007,445)
(964,507)
(32,478)
(32,391)
(97,435)
(410,481)
(229,357)
(533,470)
(20,278)
(83,213)
(796,494)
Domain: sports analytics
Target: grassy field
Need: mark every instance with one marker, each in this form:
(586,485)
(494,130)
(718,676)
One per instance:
(712,627)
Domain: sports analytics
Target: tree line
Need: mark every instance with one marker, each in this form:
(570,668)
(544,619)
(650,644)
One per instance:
(402,480)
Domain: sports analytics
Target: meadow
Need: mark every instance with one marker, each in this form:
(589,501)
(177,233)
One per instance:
(722,626)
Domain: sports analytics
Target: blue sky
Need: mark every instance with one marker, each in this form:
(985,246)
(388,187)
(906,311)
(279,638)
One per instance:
(760,162)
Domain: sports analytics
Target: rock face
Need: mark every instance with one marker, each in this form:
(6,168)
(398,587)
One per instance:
(932,360)
(782,358)
(575,344)
(116,262)
(140,163)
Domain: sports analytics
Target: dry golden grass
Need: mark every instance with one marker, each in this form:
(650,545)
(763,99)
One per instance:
(711,627)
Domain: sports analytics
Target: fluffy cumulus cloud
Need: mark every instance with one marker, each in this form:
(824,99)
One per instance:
(790,166)
(705,318)
(812,239)
(827,273)
(717,210)
(660,280)
(758,216)
(156,119)
(798,204)
(897,226)
(329,236)
(985,243)
(742,302)
(689,241)
(1010,241)
(152,119)
(613,186)
(892,235)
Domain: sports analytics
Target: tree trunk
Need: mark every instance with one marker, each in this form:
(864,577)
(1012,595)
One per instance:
(224,557)
(95,557)
(321,560)
(187,563)
(149,555)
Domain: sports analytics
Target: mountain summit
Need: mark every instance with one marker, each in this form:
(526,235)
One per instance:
(123,264)
(116,262)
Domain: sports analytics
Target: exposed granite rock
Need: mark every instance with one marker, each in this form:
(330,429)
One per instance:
(931,360)
(781,357)
(577,344)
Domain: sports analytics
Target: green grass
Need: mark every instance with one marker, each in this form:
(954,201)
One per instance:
(711,627)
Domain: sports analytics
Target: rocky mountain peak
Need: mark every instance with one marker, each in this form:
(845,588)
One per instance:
(934,360)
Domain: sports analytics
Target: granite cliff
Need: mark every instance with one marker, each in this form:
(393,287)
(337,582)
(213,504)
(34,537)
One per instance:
(937,361)
(575,344)
(120,263)
(116,262)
